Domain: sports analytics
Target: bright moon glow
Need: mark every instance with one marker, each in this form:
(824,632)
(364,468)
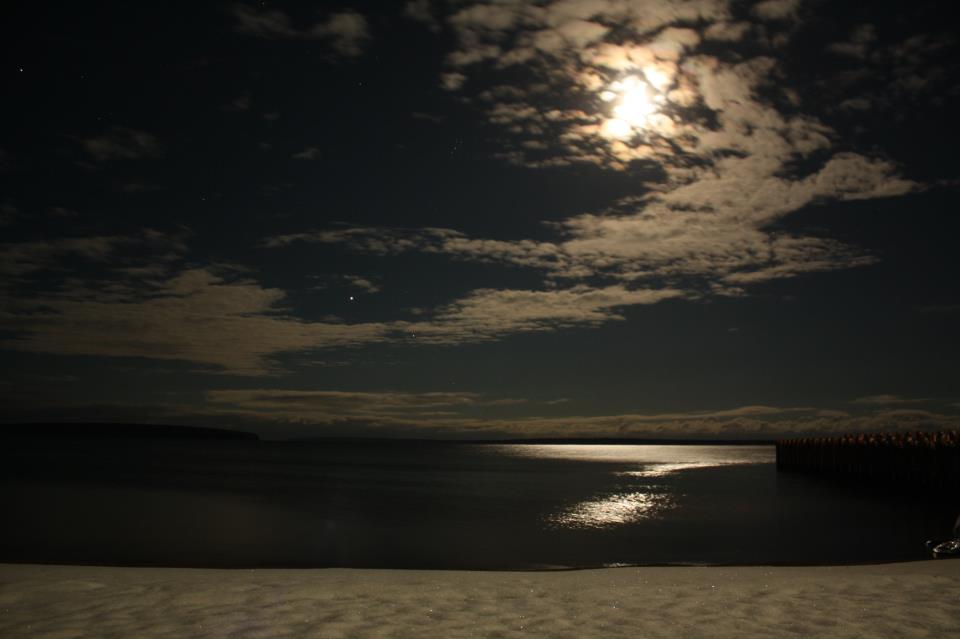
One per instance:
(617,128)
(633,106)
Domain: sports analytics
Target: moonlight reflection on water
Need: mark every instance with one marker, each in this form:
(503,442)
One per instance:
(616,509)
(640,501)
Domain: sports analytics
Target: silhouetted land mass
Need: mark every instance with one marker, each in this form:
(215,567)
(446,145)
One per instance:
(115,431)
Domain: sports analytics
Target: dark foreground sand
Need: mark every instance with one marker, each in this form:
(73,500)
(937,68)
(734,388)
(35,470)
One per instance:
(920,599)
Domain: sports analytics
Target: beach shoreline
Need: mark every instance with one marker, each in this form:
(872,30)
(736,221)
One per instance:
(876,600)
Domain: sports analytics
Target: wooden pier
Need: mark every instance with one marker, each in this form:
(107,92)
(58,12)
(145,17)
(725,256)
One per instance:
(925,459)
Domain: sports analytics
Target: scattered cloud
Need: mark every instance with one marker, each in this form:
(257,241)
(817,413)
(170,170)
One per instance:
(488,314)
(122,143)
(885,400)
(717,162)
(421,11)
(469,415)
(25,258)
(309,153)
(365,284)
(776,9)
(62,211)
(727,31)
(890,76)
(856,104)
(219,321)
(142,299)
(362,283)
(347,32)
(859,44)
(240,103)
(429,117)
(329,406)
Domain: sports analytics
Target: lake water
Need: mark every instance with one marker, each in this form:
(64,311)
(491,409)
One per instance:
(443,506)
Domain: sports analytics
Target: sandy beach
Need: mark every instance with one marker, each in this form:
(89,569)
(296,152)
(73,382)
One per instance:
(918,599)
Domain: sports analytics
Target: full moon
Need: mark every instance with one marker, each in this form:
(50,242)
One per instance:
(633,105)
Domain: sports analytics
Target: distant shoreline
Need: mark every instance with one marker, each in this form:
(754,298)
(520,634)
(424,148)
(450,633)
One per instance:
(135,431)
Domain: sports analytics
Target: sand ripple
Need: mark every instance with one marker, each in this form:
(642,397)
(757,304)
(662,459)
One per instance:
(897,600)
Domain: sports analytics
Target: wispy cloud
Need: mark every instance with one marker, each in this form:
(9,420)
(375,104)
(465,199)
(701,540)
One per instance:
(886,400)
(356,282)
(859,44)
(469,414)
(347,32)
(776,9)
(122,143)
(421,11)
(887,76)
(147,301)
(328,406)
(309,153)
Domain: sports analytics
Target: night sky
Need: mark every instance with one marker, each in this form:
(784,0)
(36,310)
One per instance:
(645,218)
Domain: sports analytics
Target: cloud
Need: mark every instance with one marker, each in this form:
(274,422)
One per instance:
(487,314)
(139,297)
(465,414)
(220,322)
(347,32)
(884,400)
(859,44)
(62,211)
(727,154)
(421,11)
(309,153)
(319,406)
(25,258)
(434,409)
(241,103)
(263,23)
(429,117)
(776,9)
(856,104)
(891,77)
(715,229)
(452,81)
(364,284)
(727,31)
(122,143)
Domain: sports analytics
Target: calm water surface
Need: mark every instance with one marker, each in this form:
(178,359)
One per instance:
(442,506)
